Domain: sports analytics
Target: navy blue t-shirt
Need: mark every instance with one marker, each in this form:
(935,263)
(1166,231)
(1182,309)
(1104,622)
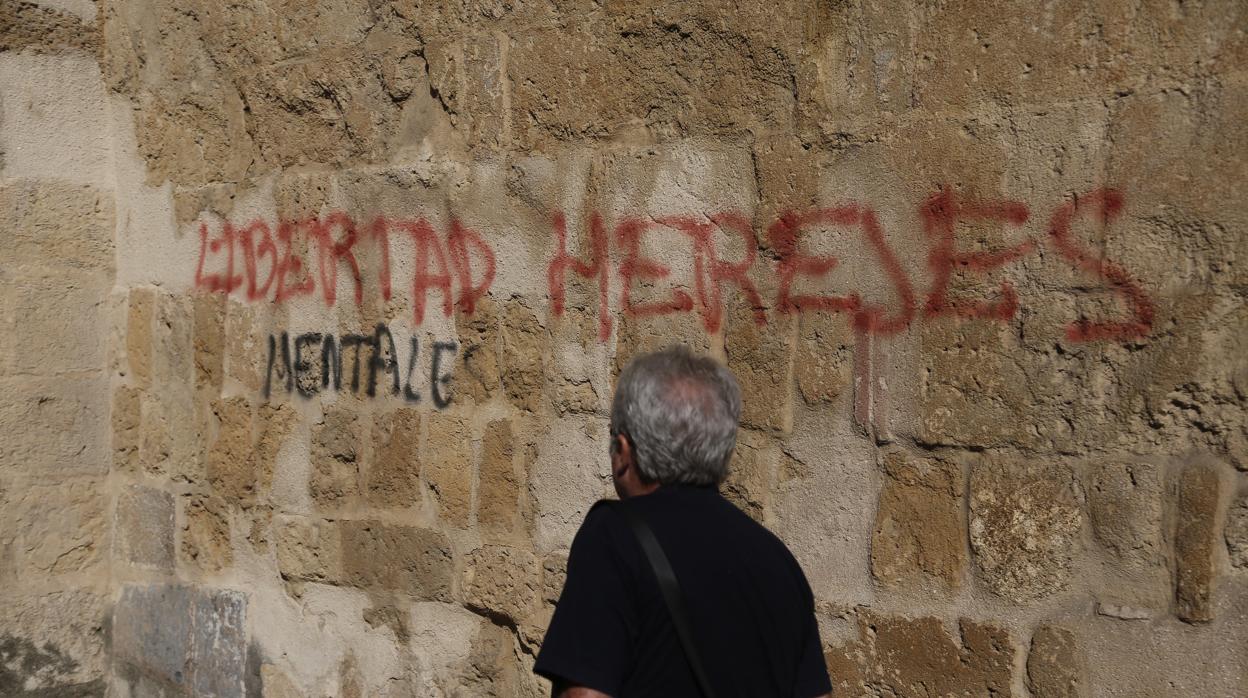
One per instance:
(748,601)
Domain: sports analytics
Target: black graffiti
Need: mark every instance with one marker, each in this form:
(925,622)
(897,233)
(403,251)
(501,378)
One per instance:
(314,362)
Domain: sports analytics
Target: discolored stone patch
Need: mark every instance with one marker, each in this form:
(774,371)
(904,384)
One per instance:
(1024,525)
(1194,539)
(415,561)
(917,541)
(502,581)
(1055,665)
(917,658)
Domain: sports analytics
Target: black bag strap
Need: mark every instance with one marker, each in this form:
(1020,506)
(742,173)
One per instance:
(670,588)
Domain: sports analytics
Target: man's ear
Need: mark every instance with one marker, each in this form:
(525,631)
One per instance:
(622,454)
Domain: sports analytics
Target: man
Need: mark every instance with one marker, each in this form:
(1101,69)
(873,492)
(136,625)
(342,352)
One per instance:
(673,428)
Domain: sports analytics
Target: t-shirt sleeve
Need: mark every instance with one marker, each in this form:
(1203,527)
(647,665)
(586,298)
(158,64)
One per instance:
(812,671)
(588,641)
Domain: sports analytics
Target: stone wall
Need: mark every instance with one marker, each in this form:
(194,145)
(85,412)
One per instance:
(313,312)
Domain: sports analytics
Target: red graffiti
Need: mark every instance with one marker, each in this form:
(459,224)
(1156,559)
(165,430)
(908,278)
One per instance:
(261,261)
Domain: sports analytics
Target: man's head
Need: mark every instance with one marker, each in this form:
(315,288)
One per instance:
(673,421)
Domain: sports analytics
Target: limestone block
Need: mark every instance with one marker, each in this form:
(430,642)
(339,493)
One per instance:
(209,337)
(525,353)
(918,541)
(1055,665)
(1024,525)
(230,458)
(52,321)
(448,467)
(245,350)
(917,658)
(414,561)
(125,420)
(751,473)
(823,358)
(309,549)
(761,357)
(274,423)
(205,542)
(54,642)
(498,510)
(139,325)
(30,26)
(57,529)
(56,425)
(554,574)
(1194,543)
(974,393)
(394,472)
(479,372)
(502,580)
(336,456)
(191,639)
(144,527)
(1124,504)
(1237,532)
(636,336)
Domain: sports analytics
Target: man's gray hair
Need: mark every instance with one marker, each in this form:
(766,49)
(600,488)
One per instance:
(680,413)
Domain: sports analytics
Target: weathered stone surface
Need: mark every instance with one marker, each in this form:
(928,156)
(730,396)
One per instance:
(917,542)
(823,358)
(309,549)
(751,474)
(1024,526)
(56,529)
(191,639)
(414,561)
(206,542)
(1237,532)
(761,357)
(917,658)
(554,574)
(209,334)
(125,418)
(231,466)
(448,470)
(273,424)
(1195,536)
(144,527)
(1055,665)
(53,643)
(26,25)
(336,449)
(1124,505)
(526,346)
(139,318)
(499,491)
(394,472)
(502,580)
(479,372)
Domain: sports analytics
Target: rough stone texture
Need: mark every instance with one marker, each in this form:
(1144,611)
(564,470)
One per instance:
(762,360)
(502,580)
(1054,664)
(394,473)
(190,640)
(1195,538)
(309,550)
(449,468)
(907,658)
(144,527)
(1124,505)
(415,561)
(206,533)
(1237,532)
(336,456)
(917,541)
(498,509)
(131,383)
(1024,526)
